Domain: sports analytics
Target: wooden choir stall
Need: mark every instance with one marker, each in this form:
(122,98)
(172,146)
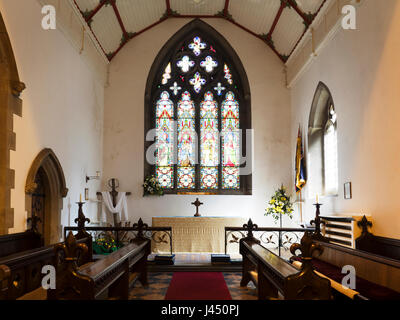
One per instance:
(78,274)
(317,273)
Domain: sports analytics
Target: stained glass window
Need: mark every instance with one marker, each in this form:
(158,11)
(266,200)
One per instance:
(230,142)
(198,98)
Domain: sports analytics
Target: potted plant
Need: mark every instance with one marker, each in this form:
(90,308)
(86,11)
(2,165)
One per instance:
(152,187)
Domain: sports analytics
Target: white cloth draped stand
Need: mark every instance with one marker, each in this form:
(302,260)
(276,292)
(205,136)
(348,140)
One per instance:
(108,209)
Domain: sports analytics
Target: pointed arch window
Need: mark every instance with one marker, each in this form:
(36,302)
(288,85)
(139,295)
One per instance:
(201,105)
(322,144)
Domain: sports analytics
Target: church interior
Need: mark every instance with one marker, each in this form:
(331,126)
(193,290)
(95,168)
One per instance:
(199,150)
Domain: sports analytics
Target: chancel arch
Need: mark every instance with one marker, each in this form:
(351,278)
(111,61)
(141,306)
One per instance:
(198,100)
(322,144)
(45,189)
(10,104)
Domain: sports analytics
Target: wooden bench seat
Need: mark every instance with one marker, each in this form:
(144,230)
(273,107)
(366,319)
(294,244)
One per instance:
(107,278)
(364,289)
(26,270)
(276,278)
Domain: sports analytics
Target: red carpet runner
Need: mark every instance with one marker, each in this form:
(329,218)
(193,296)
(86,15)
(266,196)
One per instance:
(198,286)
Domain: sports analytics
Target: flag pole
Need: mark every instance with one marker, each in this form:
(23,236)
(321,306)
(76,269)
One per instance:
(301,208)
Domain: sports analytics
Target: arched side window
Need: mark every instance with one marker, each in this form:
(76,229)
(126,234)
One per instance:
(198,100)
(322,144)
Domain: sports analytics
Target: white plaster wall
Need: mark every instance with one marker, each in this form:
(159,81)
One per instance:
(361,69)
(62,108)
(124,125)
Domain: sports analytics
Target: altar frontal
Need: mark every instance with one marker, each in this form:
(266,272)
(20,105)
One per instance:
(196,234)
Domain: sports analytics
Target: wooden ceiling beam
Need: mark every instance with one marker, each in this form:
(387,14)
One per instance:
(225,16)
(307,20)
(259,37)
(302,36)
(135,35)
(121,23)
(168,4)
(95,10)
(226,8)
(277,17)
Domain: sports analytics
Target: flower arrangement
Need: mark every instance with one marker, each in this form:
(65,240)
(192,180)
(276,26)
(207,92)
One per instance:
(152,187)
(280,204)
(105,244)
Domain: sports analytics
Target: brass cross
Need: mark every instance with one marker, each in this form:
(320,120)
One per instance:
(197,203)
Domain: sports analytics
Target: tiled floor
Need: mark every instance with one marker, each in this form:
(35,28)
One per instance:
(159,282)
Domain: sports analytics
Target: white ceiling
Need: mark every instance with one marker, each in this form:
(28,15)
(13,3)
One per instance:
(277,22)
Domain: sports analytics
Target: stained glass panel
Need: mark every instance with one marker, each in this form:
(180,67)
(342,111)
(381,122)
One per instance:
(167,74)
(186,131)
(230,106)
(197,46)
(165,148)
(230,124)
(197,81)
(185,64)
(175,88)
(209,107)
(209,178)
(165,177)
(219,88)
(230,178)
(209,136)
(209,64)
(228,75)
(230,149)
(186,146)
(165,107)
(164,130)
(186,178)
(230,131)
(186,107)
(209,147)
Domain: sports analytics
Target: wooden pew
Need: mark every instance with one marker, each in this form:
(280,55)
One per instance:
(385,247)
(26,269)
(275,277)
(4,275)
(19,242)
(106,278)
(377,276)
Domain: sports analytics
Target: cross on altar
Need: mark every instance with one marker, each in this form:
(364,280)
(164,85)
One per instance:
(197,203)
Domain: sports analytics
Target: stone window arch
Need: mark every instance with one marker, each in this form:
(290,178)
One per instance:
(322,144)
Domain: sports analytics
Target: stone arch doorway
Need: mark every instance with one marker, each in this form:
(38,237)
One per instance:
(45,189)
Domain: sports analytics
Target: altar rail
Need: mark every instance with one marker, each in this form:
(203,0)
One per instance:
(271,238)
(129,234)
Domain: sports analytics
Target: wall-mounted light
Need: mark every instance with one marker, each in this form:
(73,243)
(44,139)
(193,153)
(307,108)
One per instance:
(96,177)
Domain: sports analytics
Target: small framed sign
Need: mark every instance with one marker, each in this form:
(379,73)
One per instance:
(347,190)
(86,194)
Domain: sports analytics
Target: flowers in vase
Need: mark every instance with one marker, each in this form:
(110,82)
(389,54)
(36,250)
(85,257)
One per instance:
(280,205)
(152,187)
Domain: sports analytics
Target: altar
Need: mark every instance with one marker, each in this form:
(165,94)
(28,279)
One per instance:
(196,234)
